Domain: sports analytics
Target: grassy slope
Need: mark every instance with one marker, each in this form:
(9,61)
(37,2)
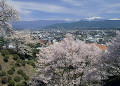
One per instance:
(7,66)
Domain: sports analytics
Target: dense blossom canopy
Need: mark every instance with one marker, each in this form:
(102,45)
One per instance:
(69,62)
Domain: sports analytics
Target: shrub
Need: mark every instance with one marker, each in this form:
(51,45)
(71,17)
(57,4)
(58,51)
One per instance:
(24,83)
(9,78)
(11,83)
(0,67)
(4,52)
(12,51)
(18,60)
(23,63)
(17,65)
(26,77)
(4,80)
(5,59)
(17,78)
(6,56)
(10,72)
(33,64)
(13,68)
(3,73)
(15,56)
(23,74)
(20,72)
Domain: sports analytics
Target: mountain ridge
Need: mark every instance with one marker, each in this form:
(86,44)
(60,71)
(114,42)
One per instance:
(87,24)
(38,24)
(62,24)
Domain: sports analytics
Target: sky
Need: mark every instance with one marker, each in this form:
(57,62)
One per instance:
(31,10)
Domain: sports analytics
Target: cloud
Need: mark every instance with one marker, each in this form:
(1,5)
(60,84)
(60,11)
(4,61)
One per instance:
(115,19)
(113,11)
(114,5)
(73,2)
(25,7)
(17,6)
(113,8)
(73,9)
(92,18)
(24,11)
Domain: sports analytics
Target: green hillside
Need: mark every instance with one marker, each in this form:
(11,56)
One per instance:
(13,70)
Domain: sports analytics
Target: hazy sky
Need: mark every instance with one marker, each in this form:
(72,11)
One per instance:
(67,9)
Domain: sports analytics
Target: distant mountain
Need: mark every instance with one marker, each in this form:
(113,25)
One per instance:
(65,24)
(101,24)
(37,24)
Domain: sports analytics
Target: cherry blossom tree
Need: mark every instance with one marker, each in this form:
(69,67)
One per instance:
(69,62)
(7,14)
(111,58)
(21,39)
